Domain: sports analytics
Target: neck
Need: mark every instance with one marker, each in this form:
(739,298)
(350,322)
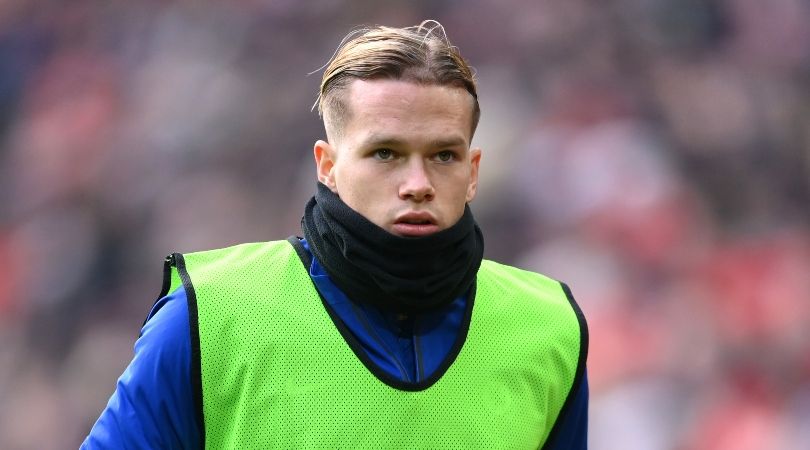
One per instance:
(403,274)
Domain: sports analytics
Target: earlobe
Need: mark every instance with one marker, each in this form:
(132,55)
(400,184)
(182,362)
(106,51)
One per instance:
(325,163)
(475,160)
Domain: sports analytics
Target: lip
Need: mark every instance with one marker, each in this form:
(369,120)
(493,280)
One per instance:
(403,227)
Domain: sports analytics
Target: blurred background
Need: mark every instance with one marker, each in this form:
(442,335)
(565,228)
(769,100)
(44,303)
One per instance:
(653,154)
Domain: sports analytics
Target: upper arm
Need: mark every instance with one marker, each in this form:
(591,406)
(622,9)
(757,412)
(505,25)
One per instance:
(571,428)
(152,406)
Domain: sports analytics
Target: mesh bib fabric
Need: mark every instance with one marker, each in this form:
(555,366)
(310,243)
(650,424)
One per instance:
(276,372)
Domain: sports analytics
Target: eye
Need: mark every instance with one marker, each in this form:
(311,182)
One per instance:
(383,154)
(445,156)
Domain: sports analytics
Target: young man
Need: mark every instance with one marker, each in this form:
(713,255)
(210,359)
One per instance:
(382,327)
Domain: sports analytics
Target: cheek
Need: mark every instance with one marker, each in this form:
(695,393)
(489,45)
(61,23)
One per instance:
(353,190)
(344,176)
(363,179)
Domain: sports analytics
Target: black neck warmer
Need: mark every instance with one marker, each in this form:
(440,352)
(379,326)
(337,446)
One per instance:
(402,274)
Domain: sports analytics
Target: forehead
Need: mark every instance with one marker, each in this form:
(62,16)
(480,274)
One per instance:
(407,107)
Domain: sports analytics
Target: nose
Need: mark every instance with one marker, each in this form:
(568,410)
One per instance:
(416,185)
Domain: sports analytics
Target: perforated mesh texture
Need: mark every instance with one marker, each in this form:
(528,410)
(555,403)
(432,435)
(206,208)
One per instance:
(276,372)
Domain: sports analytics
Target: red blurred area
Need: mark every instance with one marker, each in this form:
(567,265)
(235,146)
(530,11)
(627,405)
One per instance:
(654,155)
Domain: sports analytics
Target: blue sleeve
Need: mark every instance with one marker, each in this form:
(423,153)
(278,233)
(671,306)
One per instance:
(571,429)
(152,406)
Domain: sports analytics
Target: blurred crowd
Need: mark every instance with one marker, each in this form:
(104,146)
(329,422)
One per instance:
(653,154)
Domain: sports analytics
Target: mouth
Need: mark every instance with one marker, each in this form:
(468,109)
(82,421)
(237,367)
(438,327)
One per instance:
(416,221)
(415,224)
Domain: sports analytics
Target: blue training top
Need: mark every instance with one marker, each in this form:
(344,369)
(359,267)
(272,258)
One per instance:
(153,406)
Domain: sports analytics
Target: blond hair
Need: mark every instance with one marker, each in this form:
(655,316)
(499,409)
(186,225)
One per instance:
(421,54)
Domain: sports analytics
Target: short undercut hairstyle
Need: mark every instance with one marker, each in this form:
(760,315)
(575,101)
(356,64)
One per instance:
(420,54)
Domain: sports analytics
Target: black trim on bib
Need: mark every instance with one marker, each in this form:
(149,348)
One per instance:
(583,357)
(295,241)
(196,358)
(167,276)
(168,262)
(357,348)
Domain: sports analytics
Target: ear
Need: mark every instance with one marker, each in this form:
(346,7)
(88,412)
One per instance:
(475,160)
(325,164)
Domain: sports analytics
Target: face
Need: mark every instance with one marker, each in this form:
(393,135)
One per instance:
(403,158)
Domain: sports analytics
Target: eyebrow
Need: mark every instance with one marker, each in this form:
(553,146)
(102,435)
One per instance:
(376,140)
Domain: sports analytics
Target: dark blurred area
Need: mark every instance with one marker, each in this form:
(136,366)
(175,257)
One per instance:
(653,154)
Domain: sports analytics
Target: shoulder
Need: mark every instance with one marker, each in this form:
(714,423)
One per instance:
(510,291)
(498,272)
(245,252)
(229,262)
(152,404)
(503,278)
(165,333)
